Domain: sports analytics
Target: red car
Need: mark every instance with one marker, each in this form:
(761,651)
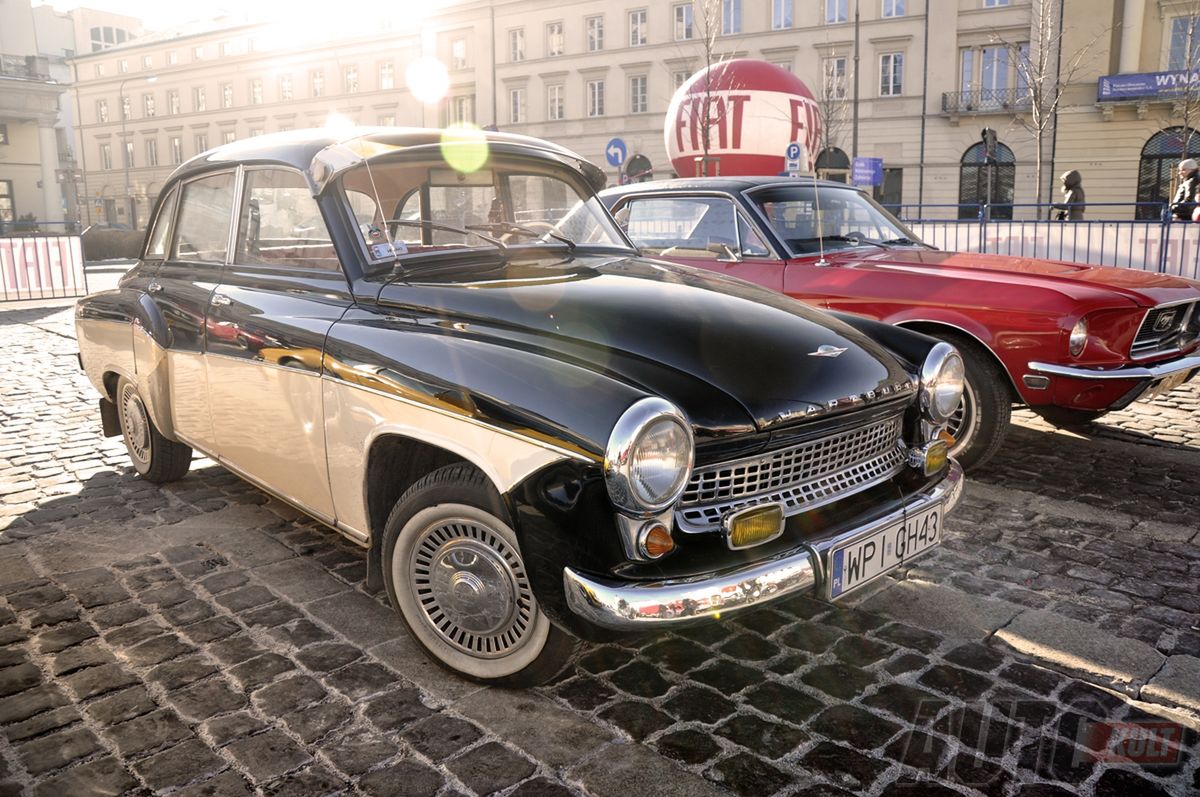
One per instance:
(1071,341)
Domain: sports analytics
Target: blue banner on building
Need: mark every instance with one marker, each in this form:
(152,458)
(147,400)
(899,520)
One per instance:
(1146,85)
(867,171)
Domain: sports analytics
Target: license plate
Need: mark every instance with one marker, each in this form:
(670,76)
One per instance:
(853,564)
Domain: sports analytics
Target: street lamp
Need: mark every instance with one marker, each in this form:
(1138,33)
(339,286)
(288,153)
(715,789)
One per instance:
(130,202)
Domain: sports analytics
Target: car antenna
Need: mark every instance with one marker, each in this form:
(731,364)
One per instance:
(821,261)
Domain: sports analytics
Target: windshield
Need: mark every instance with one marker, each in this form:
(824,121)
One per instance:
(808,218)
(417,207)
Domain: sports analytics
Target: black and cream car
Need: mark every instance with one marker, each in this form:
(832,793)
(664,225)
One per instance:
(441,345)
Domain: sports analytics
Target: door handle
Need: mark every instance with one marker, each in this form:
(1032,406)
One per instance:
(154,287)
(220,300)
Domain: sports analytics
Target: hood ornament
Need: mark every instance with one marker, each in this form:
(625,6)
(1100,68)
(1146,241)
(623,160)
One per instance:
(827,351)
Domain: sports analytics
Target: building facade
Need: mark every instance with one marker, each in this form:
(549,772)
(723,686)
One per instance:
(930,74)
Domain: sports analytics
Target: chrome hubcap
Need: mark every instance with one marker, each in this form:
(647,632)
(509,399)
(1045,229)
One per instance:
(472,588)
(136,425)
(962,423)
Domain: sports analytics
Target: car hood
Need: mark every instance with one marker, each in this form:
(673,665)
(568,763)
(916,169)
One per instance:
(1145,289)
(718,347)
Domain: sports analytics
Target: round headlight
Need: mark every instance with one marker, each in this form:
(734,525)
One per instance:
(1079,336)
(649,456)
(942,376)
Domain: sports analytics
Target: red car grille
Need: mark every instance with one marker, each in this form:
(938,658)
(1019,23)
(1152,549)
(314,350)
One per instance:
(1163,329)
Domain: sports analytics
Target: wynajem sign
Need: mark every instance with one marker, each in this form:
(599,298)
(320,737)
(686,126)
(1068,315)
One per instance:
(752,109)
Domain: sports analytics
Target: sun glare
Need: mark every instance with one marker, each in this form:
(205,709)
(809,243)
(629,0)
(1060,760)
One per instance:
(427,79)
(465,147)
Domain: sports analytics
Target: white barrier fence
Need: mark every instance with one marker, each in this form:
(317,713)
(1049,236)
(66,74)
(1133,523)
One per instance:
(41,267)
(1143,245)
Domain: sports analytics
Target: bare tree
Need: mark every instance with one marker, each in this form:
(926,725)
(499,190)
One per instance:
(1187,99)
(833,101)
(1044,73)
(715,50)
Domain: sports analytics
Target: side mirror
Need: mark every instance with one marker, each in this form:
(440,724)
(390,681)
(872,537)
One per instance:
(724,253)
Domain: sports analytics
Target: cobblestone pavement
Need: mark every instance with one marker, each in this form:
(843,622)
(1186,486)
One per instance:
(203,639)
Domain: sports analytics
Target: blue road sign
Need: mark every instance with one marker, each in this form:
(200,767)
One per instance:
(867,171)
(793,151)
(615,152)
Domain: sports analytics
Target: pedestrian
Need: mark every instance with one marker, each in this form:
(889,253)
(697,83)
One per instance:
(1183,205)
(1072,206)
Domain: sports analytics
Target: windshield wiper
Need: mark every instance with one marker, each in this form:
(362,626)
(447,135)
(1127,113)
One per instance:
(512,227)
(854,239)
(903,242)
(433,225)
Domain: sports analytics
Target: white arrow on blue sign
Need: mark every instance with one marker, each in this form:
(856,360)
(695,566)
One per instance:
(615,152)
(793,151)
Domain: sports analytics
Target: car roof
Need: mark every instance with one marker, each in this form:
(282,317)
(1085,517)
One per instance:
(299,148)
(725,184)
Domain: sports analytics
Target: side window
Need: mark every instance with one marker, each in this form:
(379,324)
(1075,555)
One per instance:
(752,243)
(281,224)
(205,208)
(157,249)
(701,227)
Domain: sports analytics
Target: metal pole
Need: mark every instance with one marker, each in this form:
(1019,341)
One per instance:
(854,142)
(924,114)
(125,154)
(87,200)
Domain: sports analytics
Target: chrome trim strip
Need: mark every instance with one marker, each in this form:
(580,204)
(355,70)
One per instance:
(1136,372)
(1146,316)
(566,452)
(619,605)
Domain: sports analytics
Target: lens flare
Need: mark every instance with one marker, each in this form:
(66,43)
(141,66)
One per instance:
(427,79)
(465,147)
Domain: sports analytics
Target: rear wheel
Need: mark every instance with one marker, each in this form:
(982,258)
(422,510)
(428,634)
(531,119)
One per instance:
(981,420)
(453,570)
(154,457)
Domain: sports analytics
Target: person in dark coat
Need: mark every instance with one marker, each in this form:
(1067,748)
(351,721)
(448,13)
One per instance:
(1072,206)
(1183,204)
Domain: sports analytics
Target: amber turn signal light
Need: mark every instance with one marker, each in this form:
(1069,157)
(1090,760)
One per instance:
(655,541)
(754,526)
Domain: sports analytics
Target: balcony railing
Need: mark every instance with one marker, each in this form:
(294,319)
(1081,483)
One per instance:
(31,67)
(985,101)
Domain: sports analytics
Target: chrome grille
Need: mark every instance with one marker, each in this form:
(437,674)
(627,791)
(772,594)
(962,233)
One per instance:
(1162,329)
(799,477)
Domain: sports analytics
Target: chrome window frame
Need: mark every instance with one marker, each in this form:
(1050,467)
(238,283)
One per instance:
(236,171)
(625,200)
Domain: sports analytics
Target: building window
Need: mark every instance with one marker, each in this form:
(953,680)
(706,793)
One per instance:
(781,14)
(890,193)
(198,52)
(316,83)
(256,131)
(893,8)
(350,79)
(123,65)
(1156,169)
(786,66)
(554,39)
(637,94)
(172,58)
(973,182)
(226,95)
(387,76)
(256,91)
(834,76)
(595,34)
(176,149)
(516,45)
(554,102)
(679,78)
(173,105)
(994,3)
(8,210)
(891,74)
(102,111)
(684,22)
(148,105)
(1184,50)
(387,120)
(595,98)
(201,142)
(286,92)
(99,70)
(516,106)
(129,154)
(198,101)
(637,27)
(151,152)
(147,61)
(835,11)
(106,157)
(228,136)
(731,17)
(462,109)
(833,164)
(458,54)
(126,108)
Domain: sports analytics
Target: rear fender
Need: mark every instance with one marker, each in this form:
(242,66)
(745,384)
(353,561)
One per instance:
(151,339)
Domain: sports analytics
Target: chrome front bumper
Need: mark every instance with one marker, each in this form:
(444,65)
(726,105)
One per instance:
(1131,372)
(626,606)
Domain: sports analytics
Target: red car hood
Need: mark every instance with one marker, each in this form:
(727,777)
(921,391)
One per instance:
(1144,288)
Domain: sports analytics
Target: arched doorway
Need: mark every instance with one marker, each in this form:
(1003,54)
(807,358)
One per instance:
(973,182)
(1156,170)
(833,164)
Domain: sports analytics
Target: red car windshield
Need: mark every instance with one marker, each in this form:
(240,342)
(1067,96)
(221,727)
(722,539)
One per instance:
(808,218)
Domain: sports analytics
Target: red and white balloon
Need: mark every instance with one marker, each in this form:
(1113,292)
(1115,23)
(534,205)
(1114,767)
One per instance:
(751,110)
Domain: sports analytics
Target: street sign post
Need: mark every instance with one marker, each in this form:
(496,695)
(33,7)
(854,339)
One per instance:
(792,157)
(867,171)
(615,152)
